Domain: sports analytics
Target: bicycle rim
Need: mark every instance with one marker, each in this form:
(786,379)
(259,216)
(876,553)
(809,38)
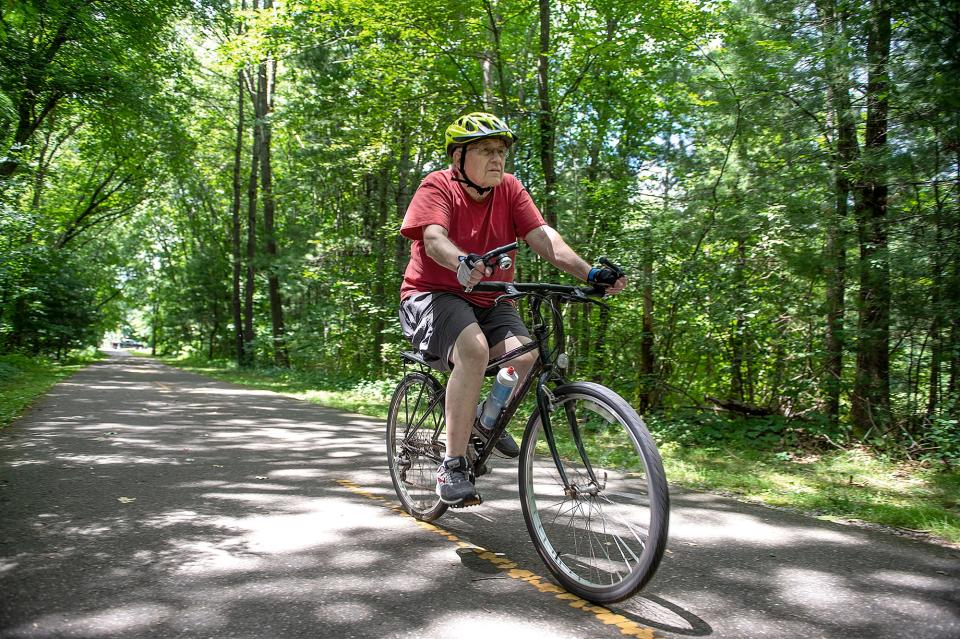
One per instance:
(604,536)
(416,444)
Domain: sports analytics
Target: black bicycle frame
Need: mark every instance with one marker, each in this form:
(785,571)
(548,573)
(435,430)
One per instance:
(543,371)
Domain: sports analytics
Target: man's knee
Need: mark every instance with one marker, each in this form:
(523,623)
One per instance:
(471,348)
(525,361)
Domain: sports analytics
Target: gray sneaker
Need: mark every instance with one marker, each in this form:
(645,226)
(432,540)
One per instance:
(506,445)
(453,481)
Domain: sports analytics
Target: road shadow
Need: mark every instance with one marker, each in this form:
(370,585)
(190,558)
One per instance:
(139,500)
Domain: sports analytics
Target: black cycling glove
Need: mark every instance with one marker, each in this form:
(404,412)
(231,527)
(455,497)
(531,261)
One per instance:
(603,276)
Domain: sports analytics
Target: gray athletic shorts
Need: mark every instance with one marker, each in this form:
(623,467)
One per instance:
(432,322)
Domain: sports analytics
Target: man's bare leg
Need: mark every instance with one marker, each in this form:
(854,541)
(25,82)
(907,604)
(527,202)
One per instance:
(470,356)
(522,364)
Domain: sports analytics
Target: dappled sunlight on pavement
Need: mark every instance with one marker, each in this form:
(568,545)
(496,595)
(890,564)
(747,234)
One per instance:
(142,501)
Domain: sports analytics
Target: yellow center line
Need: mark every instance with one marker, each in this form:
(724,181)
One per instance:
(509,568)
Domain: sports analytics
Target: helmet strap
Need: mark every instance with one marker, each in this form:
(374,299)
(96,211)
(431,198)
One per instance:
(465,179)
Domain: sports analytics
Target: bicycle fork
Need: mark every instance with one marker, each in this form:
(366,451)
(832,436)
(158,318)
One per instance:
(545,405)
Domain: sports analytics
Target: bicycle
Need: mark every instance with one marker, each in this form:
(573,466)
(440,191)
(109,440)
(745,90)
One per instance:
(592,486)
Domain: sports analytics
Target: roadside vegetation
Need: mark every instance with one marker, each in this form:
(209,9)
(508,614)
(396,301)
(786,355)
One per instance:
(23,379)
(751,459)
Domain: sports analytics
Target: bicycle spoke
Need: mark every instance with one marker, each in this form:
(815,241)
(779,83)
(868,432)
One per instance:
(594,531)
(413,445)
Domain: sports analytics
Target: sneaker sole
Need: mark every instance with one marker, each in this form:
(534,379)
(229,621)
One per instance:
(476,500)
(470,500)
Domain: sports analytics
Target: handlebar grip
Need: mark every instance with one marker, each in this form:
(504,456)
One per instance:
(613,267)
(490,255)
(492,259)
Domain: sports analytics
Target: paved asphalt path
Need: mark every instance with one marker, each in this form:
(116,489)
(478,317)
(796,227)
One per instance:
(137,500)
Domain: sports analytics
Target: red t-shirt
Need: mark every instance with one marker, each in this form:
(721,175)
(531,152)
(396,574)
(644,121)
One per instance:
(506,214)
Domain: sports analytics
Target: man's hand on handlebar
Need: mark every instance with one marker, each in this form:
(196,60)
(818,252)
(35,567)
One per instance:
(471,270)
(474,267)
(609,277)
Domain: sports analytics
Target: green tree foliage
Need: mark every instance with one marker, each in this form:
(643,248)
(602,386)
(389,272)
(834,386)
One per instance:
(91,97)
(730,155)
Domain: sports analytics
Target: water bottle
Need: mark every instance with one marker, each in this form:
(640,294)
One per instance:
(502,387)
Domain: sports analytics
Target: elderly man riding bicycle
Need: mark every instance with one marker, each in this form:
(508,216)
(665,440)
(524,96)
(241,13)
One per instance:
(456,215)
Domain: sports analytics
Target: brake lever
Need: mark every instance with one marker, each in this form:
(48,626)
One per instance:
(510,293)
(581,296)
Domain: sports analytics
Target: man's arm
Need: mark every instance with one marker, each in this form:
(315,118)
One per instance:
(548,244)
(437,244)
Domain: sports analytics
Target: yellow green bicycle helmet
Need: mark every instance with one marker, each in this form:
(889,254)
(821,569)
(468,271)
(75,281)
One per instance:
(477,126)
(470,128)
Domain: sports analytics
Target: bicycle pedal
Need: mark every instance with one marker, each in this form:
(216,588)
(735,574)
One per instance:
(476,500)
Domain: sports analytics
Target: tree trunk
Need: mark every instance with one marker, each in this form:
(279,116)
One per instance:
(235,226)
(154,327)
(937,321)
(488,66)
(844,156)
(547,131)
(266,79)
(648,361)
(738,338)
(248,323)
(379,286)
(952,293)
(836,254)
(214,329)
(501,101)
(871,395)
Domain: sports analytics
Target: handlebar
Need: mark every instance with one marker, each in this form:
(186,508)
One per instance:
(499,257)
(492,259)
(496,257)
(512,290)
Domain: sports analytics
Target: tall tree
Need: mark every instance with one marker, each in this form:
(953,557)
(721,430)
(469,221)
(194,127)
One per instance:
(844,154)
(236,226)
(249,289)
(266,85)
(60,51)
(871,393)
(545,117)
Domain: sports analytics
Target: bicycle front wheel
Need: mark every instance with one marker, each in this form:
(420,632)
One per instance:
(603,530)
(416,444)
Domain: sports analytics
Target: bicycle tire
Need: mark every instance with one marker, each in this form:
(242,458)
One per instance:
(415,440)
(604,540)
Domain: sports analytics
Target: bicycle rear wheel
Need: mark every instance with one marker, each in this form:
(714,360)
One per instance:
(602,535)
(416,444)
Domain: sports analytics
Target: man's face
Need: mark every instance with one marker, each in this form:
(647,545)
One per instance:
(484,161)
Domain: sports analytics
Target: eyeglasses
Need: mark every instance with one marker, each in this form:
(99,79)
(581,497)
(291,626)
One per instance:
(488,152)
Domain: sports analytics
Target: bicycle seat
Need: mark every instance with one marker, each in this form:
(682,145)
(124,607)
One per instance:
(414,358)
(417,358)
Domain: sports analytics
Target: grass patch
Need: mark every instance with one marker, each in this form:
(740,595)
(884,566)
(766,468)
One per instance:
(840,485)
(24,379)
(849,484)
